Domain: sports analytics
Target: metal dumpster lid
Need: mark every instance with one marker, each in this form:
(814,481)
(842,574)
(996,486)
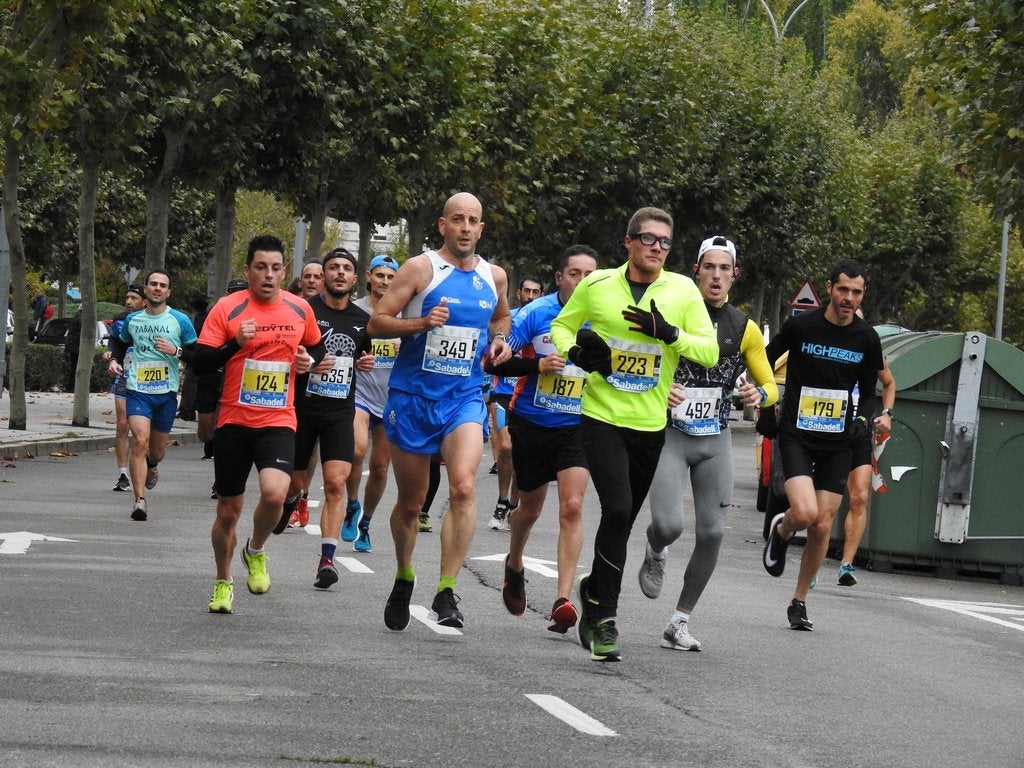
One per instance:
(914,357)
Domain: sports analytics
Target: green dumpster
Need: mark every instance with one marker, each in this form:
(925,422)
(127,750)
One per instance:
(953,468)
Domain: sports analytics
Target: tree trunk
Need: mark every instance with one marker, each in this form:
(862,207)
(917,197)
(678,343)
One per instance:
(19,284)
(317,221)
(87,282)
(418,220)
(158,199)
(365,239)
(218,269)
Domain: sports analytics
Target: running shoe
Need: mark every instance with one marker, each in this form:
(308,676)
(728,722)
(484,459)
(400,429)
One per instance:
(677,637)
(499,519)
(396,609)
(846,575)
(797,614)
(513,591)
(139,511)
(652,572)
(350,528)
(563,616)
(774,556)
(425,526)
(256,563)
(152,476)
(287,513)
(213,492)
(362,544)
(326,574)
(223,592)
(585,628)
(494,469)
(445,609)
(302,510)
(123,483)
(604,645)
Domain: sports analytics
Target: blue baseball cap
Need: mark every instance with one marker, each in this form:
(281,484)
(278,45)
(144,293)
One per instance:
(383,260)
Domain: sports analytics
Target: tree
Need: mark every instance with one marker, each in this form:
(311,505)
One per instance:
(970,51)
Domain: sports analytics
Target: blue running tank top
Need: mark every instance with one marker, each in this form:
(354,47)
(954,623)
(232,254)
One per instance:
(445,362)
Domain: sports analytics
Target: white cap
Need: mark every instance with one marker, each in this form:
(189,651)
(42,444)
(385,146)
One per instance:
(717,243)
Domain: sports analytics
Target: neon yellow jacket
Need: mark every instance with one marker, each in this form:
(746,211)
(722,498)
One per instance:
(600,299)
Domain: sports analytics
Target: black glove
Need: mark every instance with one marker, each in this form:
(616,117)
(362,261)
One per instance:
(858,431)
(651,323)
(766,423)
(591,353)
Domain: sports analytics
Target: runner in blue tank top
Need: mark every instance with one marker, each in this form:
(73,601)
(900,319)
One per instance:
(450,301)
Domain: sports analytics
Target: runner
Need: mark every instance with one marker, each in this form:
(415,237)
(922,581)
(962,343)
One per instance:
(698,444)
(159,337)
(631,352)
(500,397)
(325,405)
(450,301)
(134,300)
(371,395)
(258,337)
(831,350)
(544,419)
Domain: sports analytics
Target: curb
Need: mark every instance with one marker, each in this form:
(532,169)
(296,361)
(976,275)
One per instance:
(37,448)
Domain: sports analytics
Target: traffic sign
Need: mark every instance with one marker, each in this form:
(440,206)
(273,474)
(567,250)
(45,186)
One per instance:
(803,300)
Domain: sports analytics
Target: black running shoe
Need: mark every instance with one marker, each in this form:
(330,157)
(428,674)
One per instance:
(396,609)
(445,609)
(286,514)
(774,556)
(122,484)
(797,613)
(585,627)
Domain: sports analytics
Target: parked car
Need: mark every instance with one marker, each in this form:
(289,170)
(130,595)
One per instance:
(55,332)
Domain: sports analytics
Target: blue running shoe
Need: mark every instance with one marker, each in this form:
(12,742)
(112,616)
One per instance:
(362,544)
(353,516)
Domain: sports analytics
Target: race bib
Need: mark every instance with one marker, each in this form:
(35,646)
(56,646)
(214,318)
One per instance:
(562,391)
(152,378)
(698,413)
(822,410)
(636,366)
(264,384)
(336,382)
(384,353)
(450,350)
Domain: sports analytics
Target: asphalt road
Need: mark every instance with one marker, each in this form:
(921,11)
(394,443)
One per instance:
(108,656)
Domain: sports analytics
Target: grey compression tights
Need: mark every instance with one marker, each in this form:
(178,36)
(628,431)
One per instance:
(705,461)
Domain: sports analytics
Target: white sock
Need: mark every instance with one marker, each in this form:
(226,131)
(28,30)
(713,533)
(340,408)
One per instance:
(680,616)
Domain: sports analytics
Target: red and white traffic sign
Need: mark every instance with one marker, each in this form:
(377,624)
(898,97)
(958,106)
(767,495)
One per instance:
(805,299)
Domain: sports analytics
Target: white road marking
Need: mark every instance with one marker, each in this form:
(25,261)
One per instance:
(568,714)
(421,613)
(534,564)
(18,542)
(353,564)
(985,611)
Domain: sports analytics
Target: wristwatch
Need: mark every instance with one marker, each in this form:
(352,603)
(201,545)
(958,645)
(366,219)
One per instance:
(178,352)
(887,412)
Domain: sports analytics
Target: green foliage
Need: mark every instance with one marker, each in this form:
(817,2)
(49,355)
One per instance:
(971,53)
(45,369)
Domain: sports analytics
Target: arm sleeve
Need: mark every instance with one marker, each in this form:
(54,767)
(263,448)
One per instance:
(206,359)
(752,348)
(515,366)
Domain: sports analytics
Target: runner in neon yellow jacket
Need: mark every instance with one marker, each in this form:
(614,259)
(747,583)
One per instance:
(642,319)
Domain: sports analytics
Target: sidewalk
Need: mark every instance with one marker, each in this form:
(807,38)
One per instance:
(49,428)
